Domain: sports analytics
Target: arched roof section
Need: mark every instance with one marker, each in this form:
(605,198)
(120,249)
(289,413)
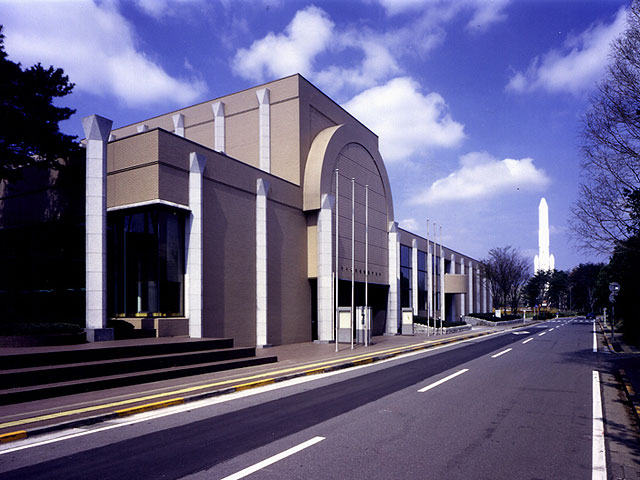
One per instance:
(321,160)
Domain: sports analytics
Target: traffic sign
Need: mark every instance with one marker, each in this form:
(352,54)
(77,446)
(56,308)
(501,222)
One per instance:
(612,298)
(614,287)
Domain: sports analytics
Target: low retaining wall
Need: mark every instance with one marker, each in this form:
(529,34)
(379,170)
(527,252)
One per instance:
(479,321)
(419,328)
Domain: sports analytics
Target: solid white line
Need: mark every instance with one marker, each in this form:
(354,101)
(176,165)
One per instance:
(527,340)
(501,353)
(440,382)
(598,455)
(271,460)
(540,334)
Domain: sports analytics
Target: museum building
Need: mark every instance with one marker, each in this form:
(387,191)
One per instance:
(223,219)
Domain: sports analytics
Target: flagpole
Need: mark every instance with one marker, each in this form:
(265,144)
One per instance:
(337,306)
(428,268)
(366,266)
(353,250)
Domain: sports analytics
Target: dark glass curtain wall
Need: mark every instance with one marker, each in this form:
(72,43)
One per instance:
(146,262)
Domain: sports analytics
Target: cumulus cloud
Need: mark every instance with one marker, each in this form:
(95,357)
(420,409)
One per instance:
(96,47)
(293,51)
(410,224)
(482,176)
(406,120)
(576,66)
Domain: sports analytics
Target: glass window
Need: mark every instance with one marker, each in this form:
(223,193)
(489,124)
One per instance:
(422,280)
(146,262)
(405,276)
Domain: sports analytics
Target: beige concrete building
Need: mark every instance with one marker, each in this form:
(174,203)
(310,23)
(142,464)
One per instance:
(222,220)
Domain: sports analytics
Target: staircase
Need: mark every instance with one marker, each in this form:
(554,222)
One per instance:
(45,372)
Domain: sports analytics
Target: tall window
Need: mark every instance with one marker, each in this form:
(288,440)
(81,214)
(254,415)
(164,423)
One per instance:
(146,262)
(405,276)
(422,280)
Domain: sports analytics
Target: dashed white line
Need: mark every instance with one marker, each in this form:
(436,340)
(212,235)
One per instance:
(501,353)
(540,334)
(527,340)
(271,460)
(445,379)
(598,454)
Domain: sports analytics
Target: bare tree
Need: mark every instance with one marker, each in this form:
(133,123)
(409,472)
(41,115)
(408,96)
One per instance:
(506,270)
(602,217)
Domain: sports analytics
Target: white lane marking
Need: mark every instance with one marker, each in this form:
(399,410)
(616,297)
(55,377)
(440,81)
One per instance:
(271,460)
(551,329)
(595,341)
(445,379)
(598,455)
(527,340)
(540,334)
(501,353)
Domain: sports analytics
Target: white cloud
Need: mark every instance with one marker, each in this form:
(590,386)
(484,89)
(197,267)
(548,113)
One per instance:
(484,13)
(279,55)
(409,224)
(406,120)
(576,66)
(482,176)
(96,47)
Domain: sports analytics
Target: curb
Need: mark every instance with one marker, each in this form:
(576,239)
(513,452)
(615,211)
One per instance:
(631,394)
(22,434)
(606,340)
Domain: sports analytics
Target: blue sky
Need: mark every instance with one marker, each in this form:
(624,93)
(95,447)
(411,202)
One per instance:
(477,103)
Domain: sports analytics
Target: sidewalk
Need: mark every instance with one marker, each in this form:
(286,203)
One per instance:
(628,363)
(38,417)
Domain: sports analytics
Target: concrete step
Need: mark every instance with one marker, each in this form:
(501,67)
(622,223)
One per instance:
(100,351)
(36,392)
(24,377)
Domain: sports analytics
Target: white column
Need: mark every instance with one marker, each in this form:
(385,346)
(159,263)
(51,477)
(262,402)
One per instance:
(325,264)
(463,296)
(265,129)
(478,300)
(218,126)
(142,128)
(430,306)
(443,310)
(96,130)
(194,245)
(454,299)
(484,295)
(262,190)
(178,124)
(393,316)
(470,289)
(414,276)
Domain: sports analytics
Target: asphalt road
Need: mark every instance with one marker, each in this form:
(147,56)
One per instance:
(525,413)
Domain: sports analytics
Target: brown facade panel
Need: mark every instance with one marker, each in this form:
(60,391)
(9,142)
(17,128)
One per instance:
(455,283)
(229,278)
(288,289)
(173,185)
(132,186)
(130,152)
(242,136)
(285,141)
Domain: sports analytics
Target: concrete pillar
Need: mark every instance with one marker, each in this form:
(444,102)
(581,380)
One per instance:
(194,245)
(463,297)
(414,276)
(477,292)
(142,128)
(470,289)
(96,130)
(262,190)
(442,305)
(264,129)
(218,126)
(484,295)
(393,305)
(325,269)
(178,124)
(430,305)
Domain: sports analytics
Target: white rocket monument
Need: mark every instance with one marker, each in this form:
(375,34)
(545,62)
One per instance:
(544,260)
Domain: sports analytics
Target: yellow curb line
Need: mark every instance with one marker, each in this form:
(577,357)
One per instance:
(149,406)
(356,358)
(12,436)
(259,383)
